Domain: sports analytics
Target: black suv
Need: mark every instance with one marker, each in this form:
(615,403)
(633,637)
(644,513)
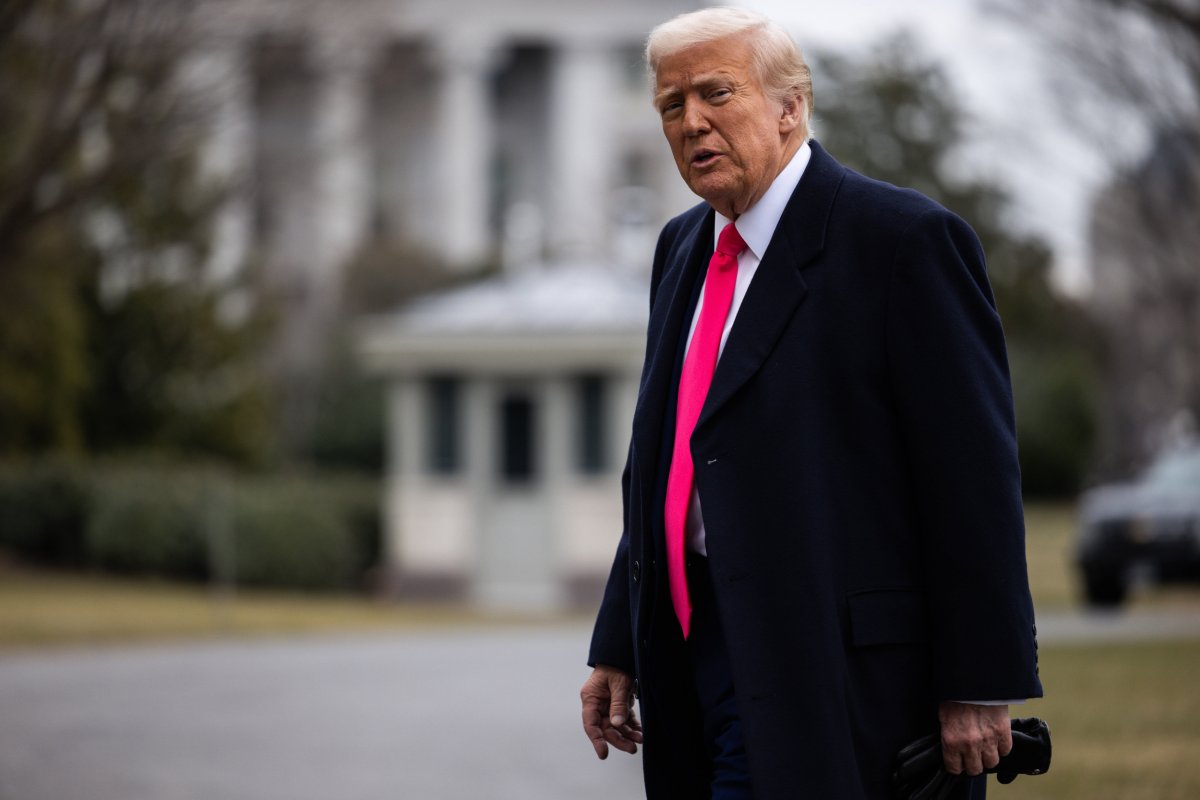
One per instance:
(1149,528)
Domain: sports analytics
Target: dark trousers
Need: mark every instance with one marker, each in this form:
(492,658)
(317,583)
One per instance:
(730,777)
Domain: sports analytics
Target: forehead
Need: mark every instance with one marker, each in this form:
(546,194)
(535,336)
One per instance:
(730,55)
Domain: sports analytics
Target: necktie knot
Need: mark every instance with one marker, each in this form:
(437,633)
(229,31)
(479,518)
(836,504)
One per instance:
(730,242)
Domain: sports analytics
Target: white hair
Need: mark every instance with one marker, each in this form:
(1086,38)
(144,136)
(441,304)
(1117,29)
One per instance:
(782,70)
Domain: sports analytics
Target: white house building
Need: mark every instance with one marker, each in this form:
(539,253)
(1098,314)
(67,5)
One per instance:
(473,129)
(517,134)
(509,411)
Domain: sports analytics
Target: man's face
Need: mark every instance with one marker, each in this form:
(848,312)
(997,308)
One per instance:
(729,139)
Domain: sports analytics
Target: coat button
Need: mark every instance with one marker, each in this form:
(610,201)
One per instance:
(637,571)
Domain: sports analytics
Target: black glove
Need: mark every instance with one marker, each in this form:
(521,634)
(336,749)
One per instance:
(1030,754)
(920,774)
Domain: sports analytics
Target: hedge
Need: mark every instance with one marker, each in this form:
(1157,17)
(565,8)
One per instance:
(43,512)
(295,531)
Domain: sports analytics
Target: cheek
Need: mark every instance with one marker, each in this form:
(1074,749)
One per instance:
(741,140)
(676,143)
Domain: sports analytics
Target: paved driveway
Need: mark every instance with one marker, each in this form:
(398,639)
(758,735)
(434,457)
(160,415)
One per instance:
(489,714)
(455,715)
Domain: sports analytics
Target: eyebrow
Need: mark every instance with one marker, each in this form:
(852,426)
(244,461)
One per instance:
(703,81)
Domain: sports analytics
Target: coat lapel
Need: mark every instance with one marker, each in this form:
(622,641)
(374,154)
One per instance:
(778,286)
(667,325)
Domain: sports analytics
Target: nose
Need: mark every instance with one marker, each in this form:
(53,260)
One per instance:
(694,121)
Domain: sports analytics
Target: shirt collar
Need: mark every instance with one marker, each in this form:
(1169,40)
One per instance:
(757,224)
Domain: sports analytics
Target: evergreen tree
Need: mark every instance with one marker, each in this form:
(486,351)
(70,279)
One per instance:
(893,115)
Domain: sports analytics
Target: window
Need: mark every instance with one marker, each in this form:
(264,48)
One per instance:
(518,455)
(444,453)
(592,428)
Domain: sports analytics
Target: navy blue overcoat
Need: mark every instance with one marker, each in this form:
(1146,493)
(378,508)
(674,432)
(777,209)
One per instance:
(857,465)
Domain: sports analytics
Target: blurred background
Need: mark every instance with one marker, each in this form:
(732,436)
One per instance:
(327,318)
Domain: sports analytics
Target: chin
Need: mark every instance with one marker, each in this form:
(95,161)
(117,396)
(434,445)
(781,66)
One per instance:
(715,193)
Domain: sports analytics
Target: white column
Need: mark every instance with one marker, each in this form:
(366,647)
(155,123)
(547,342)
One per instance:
(464,141)
(624,403)
(557,457)
(343,178)
(480,455)
(405,425)
(584,87)
(479,441)
(557,443)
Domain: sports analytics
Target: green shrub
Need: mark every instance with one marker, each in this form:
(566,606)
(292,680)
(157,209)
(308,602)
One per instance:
(287,537)
(313,531)
(358,502)
(1056,420)
(151,523)
(43,512)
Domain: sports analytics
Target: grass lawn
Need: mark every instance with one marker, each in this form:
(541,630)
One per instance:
(1125,721)
(39,609)
(1049,533)
(1053,578)
(1125,718)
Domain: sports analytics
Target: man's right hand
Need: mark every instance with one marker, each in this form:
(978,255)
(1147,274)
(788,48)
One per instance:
(608,715)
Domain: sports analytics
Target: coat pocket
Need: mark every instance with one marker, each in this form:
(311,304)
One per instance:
(887,616)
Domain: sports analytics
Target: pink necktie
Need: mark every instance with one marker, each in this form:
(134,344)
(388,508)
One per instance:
(697,375)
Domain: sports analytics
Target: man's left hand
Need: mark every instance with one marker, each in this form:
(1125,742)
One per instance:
(973,737)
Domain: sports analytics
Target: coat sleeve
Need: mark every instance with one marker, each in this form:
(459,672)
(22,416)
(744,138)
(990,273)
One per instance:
(613,635)
(948,371)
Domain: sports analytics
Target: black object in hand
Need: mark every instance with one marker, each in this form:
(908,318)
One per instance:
(920,774)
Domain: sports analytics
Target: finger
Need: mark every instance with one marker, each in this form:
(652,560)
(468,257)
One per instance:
(631,730)
(973,762)
(990,756)
(618,710)
(1006,742)
(631,733)
(614,738)
(952,760)
(592,727)
(598,744)
(632,726)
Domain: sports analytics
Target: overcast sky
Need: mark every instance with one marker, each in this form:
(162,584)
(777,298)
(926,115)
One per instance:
(1018,137)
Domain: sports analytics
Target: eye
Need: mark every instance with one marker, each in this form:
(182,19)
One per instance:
(719,94)
(670,108)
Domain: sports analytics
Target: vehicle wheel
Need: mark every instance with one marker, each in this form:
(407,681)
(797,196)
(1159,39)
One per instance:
(1104,588)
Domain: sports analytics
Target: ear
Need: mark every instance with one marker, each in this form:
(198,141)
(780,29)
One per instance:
(792,115)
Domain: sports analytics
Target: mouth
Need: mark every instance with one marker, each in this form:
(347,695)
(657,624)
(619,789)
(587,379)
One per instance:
(704,157)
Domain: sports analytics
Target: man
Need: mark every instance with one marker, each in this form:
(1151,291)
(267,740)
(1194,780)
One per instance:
(823,553)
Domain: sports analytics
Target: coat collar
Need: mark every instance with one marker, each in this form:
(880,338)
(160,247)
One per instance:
(773,296)
(778,287)
(692,247)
